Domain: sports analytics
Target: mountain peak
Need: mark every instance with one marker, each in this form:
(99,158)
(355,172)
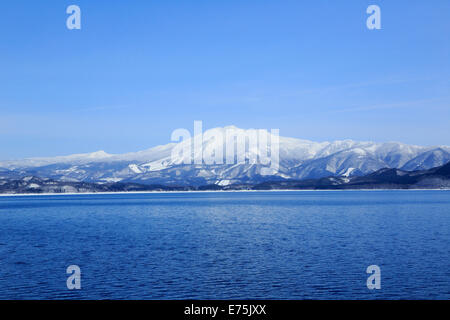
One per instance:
(231,127)
(99,154)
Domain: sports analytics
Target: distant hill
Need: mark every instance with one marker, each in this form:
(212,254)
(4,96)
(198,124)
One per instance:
(435,178)
(35,185)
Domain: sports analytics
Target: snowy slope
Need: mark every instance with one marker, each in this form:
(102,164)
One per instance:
(167,164)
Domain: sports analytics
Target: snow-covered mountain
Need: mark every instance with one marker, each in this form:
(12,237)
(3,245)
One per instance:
(298,159)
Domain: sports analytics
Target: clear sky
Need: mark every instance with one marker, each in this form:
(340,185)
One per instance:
(137,70)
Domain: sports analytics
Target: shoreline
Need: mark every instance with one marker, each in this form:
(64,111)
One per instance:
(202,191)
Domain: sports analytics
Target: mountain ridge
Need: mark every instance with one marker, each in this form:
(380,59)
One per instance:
(298,160)
(386,178)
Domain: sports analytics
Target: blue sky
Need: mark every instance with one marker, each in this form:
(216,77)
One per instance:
(137,70)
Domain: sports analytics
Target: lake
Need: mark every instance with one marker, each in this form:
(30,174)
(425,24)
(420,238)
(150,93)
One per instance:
(227,245)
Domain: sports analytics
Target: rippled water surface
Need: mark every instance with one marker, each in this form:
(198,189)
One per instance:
(271,245)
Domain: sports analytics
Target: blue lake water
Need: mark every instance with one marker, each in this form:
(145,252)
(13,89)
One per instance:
(240,245)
